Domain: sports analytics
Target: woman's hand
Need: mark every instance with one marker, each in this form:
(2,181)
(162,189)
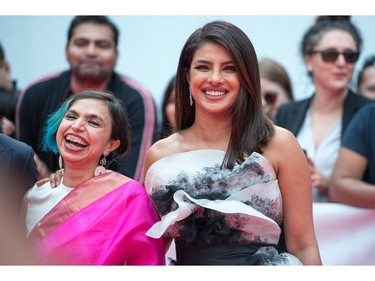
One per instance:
(54,178)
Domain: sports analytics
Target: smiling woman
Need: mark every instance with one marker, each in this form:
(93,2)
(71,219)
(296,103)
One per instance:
(224,183)
(91,205)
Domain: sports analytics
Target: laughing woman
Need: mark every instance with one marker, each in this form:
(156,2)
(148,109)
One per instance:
(95,216)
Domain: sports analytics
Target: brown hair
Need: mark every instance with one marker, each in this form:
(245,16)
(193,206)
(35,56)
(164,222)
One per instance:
(275,72)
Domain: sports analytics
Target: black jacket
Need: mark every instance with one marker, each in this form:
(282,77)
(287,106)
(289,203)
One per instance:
(292,115)
(18,171)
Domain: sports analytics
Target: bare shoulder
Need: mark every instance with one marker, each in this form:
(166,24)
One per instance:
(283,139)
(162,148)
(282,146)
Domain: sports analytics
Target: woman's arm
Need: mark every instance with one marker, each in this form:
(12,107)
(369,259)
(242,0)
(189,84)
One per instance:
(294,179)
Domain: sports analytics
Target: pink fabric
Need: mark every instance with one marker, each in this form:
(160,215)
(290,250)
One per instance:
(345,234)
(109,231)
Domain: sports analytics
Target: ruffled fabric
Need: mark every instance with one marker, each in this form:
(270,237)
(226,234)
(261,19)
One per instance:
(205,207)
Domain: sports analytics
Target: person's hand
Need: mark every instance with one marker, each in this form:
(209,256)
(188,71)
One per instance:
(318,180)
(7,126)
(42,181)
(54,178)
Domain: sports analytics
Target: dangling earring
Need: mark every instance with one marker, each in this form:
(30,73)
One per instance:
(190,97)
(61,163)
(100,169)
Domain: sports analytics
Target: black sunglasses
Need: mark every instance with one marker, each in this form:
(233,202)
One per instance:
(332,55)
(270,97)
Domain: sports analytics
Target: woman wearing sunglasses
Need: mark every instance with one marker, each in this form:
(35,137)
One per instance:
(275,85)
(330,49)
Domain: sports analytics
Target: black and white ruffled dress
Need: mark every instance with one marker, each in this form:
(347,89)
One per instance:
(218,216)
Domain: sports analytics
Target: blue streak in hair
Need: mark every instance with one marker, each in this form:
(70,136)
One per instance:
(51,127)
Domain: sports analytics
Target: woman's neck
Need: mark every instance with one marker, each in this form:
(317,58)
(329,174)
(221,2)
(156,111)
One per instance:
(210,135)
(74,177)
(328,102)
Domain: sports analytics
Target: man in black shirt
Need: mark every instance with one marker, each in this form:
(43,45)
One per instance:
(92,53)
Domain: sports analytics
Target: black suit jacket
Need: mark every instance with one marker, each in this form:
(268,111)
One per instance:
(292,115)
(18,170)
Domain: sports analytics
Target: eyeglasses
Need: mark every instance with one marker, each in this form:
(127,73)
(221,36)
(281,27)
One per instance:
(332,55)
(270,97)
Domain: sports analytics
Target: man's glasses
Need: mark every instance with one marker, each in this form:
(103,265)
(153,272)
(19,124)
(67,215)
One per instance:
(332,55)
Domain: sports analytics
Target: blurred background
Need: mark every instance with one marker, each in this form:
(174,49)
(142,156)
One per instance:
(149,46)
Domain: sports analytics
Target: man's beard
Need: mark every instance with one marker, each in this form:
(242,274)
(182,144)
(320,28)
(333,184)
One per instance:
(90,71)
(89,75)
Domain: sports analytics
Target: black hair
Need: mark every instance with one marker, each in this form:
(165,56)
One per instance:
(324,24)
(251,129)
(370,61)
(101,20)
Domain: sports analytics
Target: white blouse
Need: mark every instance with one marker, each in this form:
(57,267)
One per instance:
(324,156)
(40,200)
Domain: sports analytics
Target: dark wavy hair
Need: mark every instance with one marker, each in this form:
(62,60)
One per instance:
(120,124)
(251,129)
(324,24)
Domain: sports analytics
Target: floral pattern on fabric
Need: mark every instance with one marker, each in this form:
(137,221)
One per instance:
(202,204)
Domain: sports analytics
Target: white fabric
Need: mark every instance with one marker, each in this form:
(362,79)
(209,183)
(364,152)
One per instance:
(323,156)
(258,223)
(245,198)
(41,199)
(346,234)
(241,184)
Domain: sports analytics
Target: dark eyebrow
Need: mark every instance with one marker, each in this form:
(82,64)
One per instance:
(206,61)
(105,40)
(89,115)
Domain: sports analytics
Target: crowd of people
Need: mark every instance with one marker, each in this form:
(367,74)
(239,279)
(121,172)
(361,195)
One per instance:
(330,49)
(228,177)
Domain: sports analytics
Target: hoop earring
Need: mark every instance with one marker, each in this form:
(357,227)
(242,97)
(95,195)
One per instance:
(190,97)
(61,163)
(100,169)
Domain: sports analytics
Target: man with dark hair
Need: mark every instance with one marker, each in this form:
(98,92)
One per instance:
(8,97)
(92,54)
